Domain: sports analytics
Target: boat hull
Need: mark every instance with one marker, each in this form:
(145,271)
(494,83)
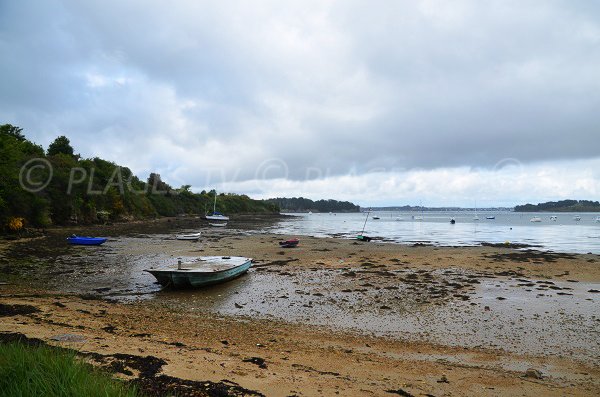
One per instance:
(192,237)
(86,240)
(190,279)
(217,217)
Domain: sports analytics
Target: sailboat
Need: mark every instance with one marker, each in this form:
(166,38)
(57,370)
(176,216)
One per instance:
(361,236)
(216,216)
(476,217)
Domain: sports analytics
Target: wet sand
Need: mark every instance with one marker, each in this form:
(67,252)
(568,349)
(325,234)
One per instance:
(332,316)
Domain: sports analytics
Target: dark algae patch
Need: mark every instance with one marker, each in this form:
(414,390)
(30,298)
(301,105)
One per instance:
(16,310)
(529,256)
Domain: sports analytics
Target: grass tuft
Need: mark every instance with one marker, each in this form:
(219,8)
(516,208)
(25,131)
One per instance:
(44,371)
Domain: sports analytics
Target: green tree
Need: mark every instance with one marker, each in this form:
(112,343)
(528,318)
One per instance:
(13,131)
(60,145)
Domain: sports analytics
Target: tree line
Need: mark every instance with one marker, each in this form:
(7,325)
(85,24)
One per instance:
(301,204)
(561,206)
(104,191)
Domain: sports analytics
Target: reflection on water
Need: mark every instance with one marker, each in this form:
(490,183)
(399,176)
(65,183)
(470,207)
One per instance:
(563,235)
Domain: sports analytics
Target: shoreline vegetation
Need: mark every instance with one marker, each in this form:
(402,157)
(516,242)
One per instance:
(561,206)
(301,204)
(91,191)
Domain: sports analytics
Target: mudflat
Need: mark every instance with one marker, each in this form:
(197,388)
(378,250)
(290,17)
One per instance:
(329,317)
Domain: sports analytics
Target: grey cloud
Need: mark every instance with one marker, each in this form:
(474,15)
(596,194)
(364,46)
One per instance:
(346,87)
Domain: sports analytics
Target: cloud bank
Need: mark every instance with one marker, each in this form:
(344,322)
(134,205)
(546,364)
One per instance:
(348,95)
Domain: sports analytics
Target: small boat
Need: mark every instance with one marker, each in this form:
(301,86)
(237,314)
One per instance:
(289,243)
(490,217)
(206,270)
(452,221)
(81,240)
(362,237)
(375,217)
(476,218)
(535,219)
(597,219)
(417,218)
(554,218)
(218,224)
(576,218)
(191,236)
(216,216)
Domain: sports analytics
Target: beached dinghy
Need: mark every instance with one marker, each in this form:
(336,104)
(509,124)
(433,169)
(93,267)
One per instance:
(206,270)
(191,236)
(218,224)
(289,243)
(81,240)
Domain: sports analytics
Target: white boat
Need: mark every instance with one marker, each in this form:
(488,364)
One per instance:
(417,218)
(490,217)
(202,271)
(535,219)
(597,219)
(576,218)
(554,218)
(218,224)
(216,216)
(191,236)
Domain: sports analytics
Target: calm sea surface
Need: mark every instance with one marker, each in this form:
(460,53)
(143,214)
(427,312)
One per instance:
(565,234)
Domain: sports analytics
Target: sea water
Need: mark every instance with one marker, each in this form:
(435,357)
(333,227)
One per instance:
(565,234)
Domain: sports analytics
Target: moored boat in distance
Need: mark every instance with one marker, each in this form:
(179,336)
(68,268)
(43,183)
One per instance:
(597,219)
(191,236)
(577,218)
(81,240)
(375,217)
(535,219)
(202,271)
(554,218)
(490,217)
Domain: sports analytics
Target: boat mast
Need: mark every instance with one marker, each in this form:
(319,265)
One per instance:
(215,203)
(365,224)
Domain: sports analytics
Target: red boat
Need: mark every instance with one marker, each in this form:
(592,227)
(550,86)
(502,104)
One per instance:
(289,243)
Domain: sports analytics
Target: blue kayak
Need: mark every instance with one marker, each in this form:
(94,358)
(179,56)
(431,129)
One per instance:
(79,240)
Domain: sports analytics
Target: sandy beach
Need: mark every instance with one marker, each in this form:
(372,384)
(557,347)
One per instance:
(330,317)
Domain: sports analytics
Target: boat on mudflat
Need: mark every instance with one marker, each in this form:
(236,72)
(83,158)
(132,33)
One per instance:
(191,236)
(202,271)
(81,240)
(289,243)
(218,224)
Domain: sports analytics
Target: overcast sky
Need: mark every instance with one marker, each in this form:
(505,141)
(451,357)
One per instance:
(377,102)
